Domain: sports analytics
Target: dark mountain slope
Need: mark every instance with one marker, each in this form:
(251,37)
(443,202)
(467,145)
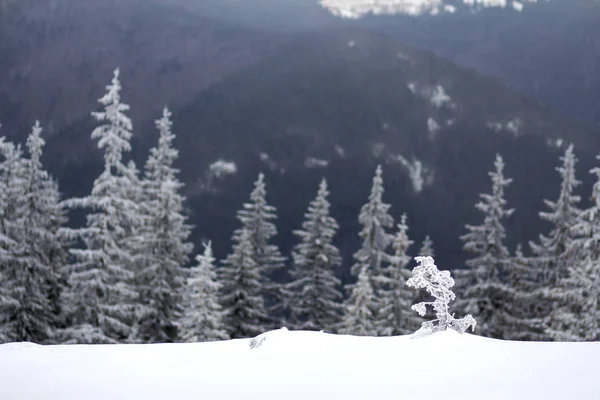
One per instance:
(550,50)
(336,104)
(57,56)
(331,104)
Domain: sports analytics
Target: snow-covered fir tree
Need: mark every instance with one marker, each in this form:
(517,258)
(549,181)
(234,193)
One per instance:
(359,317)
(7,302)
(483,292)
(315,301)
(525,319)
(427,248)
(375,220)
(36,249)
(395,298)
(103,297)
(438,284)
(44,218)
(576,314)
(12,171)
(202,319)
(552,258)
(257,218)
(551,251)
(132,189)
(164,248)
(241,295)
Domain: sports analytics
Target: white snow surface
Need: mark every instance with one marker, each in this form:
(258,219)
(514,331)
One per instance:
(305,365)
(221,168)
(313,162)
(436,95)
(514,126)
(420,175)
(358,8)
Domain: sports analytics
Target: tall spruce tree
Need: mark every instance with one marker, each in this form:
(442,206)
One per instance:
(45,217)
(12,170)
(359,317)
(257,218)
(241,295)
(375,220)
(315,301)
(394,316)
(551,252)
(37,251)
(164,247)
(202,319)
(576,316)
(552,255)
(484,293)
(526,319)
(103,297)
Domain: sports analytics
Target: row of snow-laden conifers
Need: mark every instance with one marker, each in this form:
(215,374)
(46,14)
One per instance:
(124,276)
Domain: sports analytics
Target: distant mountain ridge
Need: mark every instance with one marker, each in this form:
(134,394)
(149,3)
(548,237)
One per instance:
(331,102)
(548,50)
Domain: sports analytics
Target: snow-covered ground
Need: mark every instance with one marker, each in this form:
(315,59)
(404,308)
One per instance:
(305,365)
(359,8)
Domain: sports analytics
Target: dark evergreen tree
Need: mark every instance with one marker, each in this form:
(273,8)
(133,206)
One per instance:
(103,297)
(163,248)
(257,218)
(427,248)
(359,317)
(315,301)
(395,299)
(36,248)
(241,295)
(484,293)
(551,251)
(576,314)
(202,319)
(552,258)
(12,171)
(375,220)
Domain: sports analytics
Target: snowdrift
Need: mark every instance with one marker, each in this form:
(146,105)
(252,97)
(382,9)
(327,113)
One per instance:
(305,365)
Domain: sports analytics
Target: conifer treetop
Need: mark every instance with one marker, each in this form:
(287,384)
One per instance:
(315,303)
(245,313)
(256,218)
(358,319)
(35,144)
(164,154)
(116,133)
(258,212)
(202,319)
(427,247)
(375,219)
(395,298)
(485,240)
(402,242)
(553,250)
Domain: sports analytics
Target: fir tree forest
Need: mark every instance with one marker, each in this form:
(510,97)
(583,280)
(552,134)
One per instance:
(130,274)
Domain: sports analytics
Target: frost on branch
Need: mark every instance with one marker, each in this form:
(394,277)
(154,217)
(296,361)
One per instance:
(437,284)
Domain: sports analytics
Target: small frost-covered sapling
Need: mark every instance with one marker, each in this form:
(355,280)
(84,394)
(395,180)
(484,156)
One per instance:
(437,283)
